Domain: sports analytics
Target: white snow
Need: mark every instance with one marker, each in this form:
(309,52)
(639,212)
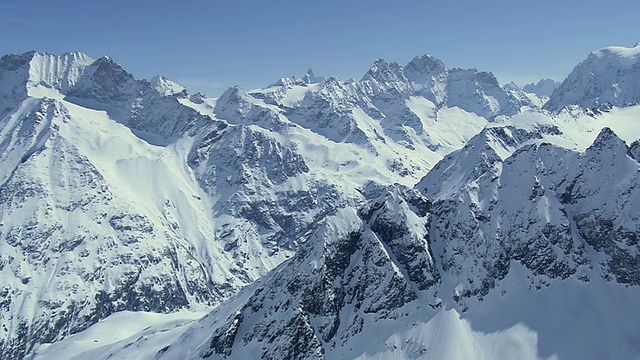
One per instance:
(57,71)
(112,337)
(607,76)
(448,127)
(619,51)
(165,87)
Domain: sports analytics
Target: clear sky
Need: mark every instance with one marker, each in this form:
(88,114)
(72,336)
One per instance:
(210,45)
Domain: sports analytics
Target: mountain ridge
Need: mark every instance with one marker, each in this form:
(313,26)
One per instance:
(123,194)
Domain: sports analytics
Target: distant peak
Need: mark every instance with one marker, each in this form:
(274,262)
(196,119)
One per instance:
(13,61)
(166,87)
(234,92)
(198,98)
(383,71)
(544,87)
(607,76)
(382,65)
(512,86)
(422,68)
(77,55)
(289,81)
(59,71)
(311,78)
(426,62)
(106,64)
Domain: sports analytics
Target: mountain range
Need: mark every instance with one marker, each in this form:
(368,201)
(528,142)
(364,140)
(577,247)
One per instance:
(420,212)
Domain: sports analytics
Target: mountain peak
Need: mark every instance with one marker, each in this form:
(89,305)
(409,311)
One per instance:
(544,87)
(13,62)
(619,52)
(426,63)
(30,55)
(607,76)
(607,139)
(424,68)
(311,78)
(381,70)
(166,87)
(58,71)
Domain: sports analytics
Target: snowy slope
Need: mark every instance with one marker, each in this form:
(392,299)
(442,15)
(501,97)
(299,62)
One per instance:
(105,206)
(88,229)
(386,280)
(109,337)
(398,276)
(607,77)
(534,212)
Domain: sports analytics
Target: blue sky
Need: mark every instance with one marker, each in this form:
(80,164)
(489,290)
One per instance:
(211,45)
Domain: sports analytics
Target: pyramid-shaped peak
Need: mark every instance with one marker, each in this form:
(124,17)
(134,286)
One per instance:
(607,139)
(311,78)
(427,63)
(166,87)
(425,67)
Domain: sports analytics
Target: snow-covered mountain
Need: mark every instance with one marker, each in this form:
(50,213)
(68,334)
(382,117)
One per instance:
(608,77)
(543,88)
(405,277)
(94,218)
(124,194)
(412,214)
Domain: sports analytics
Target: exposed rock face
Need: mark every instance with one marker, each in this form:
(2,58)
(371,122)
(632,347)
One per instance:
(634,150)
(359,265)
(399,250)
(542,206)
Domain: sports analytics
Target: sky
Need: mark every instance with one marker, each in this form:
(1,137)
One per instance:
(209,46)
